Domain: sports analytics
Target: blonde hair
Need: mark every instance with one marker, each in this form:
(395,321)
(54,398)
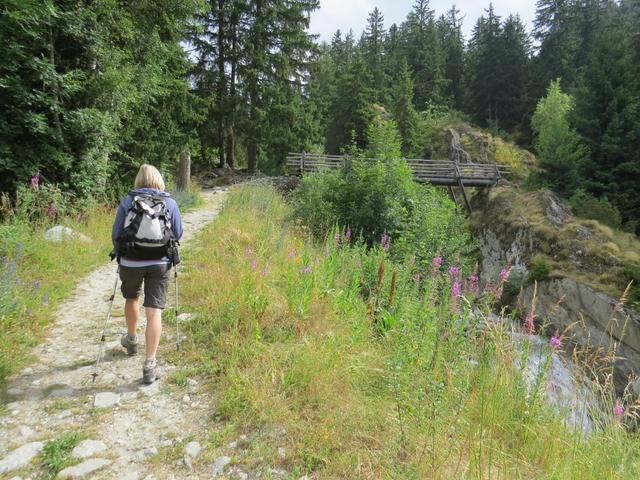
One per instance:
(149,177)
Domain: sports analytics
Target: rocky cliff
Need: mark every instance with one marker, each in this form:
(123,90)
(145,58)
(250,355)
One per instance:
(578,266)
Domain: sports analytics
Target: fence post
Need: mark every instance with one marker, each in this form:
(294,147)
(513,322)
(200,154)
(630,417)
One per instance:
(302,162)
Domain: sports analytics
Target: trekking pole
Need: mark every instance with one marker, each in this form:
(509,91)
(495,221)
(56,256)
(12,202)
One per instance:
(175,276)
(103,337)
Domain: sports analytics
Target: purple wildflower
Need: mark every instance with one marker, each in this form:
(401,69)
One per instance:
(306,269)
(385,241)
(347,235)
(37,285)
(264,272)
(456,289)
(454,270)
(292,254)
(618,409)
(504,274)
(473,284)
(436,262)
(248,251)
(555,342)
(336,239)
(35,180)
(254,264)
(52,210)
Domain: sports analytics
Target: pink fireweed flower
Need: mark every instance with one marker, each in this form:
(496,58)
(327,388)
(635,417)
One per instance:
(292,254)
(473,284)
(454,270)
(618,409)
(456,289)
(264,272)
(306,270)
(248,251)
(528,323)
(436,262)
(52,210)
(555,342)
(504,274)
(254,264)
(347,235)
(385,241)
(35,180)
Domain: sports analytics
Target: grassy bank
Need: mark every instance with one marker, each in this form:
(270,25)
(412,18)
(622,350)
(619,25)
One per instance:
(360,372)
(35,274)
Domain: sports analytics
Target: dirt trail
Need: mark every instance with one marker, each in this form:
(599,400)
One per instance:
(146,428)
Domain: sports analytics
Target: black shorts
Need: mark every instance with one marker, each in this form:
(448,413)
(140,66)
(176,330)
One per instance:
(155,277)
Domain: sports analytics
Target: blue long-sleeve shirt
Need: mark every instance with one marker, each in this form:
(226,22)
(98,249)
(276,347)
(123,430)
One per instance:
(121,213)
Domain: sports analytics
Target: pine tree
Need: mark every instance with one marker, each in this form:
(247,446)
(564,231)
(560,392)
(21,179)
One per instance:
(373,48)
(403,111)
(608,113)
(559,148)
(450,34)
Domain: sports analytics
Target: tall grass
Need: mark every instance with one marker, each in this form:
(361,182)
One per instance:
(364,368)
(35,274)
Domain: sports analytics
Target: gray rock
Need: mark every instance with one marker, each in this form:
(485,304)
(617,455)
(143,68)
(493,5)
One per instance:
(20,457)
(186,399)
(151,390)
(64,414)
(88,448)
(146,453)
(192,449)
(186,317)
(192,383)
(106,399)
(219,465)
(61,234)
(85,468)
(25,431)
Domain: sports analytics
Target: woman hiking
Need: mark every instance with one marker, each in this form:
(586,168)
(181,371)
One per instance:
(144,235)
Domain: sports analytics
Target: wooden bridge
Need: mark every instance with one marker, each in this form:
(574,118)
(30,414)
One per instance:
(449,173)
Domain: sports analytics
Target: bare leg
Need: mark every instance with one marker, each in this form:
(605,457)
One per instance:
(154,329)
(131,314)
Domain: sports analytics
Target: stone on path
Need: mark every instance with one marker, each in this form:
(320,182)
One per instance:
(106,399)
(88,448)
(146,453)
(83,469)
(218,466)
(192,449)
(20,457)
(60,234)
(185,317)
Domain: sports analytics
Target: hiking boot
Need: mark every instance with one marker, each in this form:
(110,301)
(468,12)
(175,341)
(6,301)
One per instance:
(150,372)
(131,344)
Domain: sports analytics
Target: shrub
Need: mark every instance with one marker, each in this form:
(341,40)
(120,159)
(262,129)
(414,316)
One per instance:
(379,198)
(539,270)
(586,205)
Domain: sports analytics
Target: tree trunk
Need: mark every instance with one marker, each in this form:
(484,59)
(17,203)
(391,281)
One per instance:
(222,83)
(252,155)
(231,147)
(184,171)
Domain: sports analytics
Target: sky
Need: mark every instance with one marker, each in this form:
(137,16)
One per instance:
(346,14)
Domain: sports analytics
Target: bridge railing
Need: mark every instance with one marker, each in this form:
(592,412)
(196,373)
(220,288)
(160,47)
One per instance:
(438,172)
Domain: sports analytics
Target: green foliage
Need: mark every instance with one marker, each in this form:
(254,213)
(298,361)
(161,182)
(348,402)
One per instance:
(632,274)
(538,270)
(56,454)
(378,198)
(559,147)
(339,345)
(585,205)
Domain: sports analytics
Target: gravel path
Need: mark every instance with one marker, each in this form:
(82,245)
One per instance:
(135,431)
